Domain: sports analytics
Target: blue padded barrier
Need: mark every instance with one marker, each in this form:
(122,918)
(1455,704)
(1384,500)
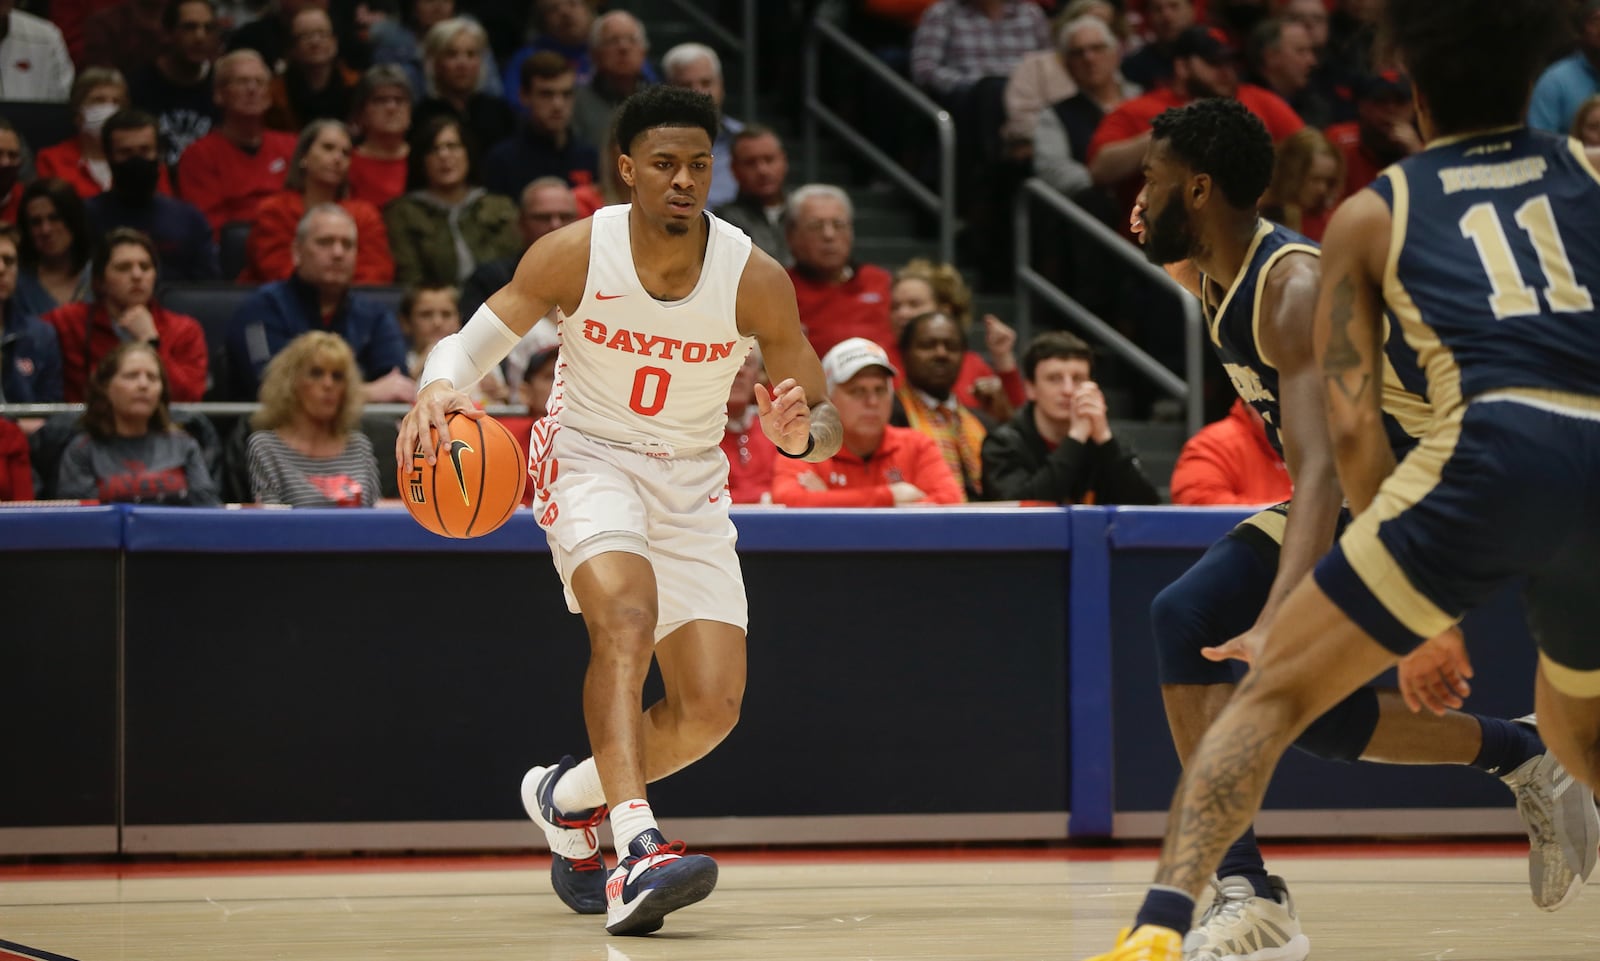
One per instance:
(323,531)
(60,528)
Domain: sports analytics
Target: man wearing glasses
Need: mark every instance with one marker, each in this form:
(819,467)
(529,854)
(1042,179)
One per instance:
(230,170)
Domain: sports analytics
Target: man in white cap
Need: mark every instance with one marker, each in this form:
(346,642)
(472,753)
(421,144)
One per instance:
(879,465)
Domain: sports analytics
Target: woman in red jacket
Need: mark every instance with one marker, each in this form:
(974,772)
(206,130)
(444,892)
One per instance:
(319,173)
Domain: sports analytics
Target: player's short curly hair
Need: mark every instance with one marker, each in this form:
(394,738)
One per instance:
(664,106)
(1474,61)
(1219,137)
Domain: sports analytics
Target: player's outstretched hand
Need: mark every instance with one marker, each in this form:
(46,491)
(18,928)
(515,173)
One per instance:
(434,405)
(1434,676)
(785,415)
(1244,648)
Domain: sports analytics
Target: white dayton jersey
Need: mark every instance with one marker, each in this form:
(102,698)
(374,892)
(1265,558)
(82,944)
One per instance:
(641,372)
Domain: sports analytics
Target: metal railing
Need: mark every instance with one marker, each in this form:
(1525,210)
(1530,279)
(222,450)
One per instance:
(744,46)
(1030,283)
(942,203)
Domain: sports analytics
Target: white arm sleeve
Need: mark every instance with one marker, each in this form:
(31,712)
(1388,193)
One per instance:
(466,355)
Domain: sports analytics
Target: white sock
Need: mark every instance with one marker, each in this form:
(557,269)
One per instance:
(579,789)
(629,820)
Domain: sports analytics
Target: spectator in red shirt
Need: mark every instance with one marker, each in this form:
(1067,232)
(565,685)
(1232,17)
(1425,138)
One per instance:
(838,299)
(1231,462)
(80,160)
(1203,66)
(381,116)
(124,275)
(229,171)
(751,455)
(1383,133)
(318,174)
(16,472)
(879,465)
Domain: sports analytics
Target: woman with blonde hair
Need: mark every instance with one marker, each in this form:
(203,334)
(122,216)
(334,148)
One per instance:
(922,287)
(453,52)
(319,173)
(306,450)
(1307,181)
(1586,123)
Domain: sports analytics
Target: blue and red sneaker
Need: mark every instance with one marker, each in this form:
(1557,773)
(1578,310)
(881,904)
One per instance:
(654,879)
(577,869)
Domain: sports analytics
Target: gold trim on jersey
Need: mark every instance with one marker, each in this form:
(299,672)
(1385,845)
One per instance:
(1413,480)
(1263,228)
(1472,135)
(1261,288)
(1571,681)
(1582,406)
(1437,362)
(1271,522)
(1582,153)
(1413,413)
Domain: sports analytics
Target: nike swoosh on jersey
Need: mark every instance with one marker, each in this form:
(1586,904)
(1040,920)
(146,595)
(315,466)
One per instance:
(599,296)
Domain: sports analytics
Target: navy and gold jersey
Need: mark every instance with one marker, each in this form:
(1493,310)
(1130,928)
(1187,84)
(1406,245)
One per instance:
(1234,326)
(1494,263)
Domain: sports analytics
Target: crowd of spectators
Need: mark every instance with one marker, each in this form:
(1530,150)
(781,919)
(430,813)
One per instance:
(324,156)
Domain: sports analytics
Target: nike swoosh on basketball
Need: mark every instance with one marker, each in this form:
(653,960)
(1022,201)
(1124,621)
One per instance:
(599,296)
(456,447)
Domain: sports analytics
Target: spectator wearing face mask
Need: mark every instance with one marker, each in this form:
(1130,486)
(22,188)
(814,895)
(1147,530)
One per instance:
(98,93)
(183,240)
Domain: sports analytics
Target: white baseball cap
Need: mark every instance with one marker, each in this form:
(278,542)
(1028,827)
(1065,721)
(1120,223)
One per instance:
(850,357)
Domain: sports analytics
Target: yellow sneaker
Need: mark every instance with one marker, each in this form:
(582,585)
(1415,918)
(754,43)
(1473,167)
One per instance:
(1148,943)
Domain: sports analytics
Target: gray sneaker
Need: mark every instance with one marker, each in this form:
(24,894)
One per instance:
(1563,829)
(1239,926)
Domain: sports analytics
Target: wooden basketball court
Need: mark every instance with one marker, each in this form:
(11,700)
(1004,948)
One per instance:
(1371,903)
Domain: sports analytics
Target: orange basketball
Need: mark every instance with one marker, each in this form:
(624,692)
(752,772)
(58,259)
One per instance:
(475,484)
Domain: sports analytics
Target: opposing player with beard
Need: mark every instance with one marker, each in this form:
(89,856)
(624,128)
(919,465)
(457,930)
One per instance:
(1207,164)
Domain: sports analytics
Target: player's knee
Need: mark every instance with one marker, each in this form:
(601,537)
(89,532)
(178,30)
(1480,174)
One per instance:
(1343,733)
(710,716)
(622,625)
(1179,631)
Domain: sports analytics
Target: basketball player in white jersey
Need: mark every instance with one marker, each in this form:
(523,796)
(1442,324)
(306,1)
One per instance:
(662,303)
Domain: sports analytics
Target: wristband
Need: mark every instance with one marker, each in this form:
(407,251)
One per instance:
(811,445)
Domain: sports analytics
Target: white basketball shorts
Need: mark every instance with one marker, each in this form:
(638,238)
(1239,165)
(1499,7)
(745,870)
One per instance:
(591,496)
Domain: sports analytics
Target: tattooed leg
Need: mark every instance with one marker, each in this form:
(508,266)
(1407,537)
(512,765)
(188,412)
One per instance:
(1313,658)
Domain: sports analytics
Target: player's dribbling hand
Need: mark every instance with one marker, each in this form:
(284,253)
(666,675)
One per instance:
(1434,676)
(785,415)
(435,403)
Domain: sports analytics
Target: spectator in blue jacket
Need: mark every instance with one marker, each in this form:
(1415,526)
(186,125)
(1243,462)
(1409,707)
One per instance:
(184,243)
(30,354)
(318,297)
(1570,81)
(543,145)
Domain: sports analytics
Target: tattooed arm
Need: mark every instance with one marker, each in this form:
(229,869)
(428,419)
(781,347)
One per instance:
(1349,338)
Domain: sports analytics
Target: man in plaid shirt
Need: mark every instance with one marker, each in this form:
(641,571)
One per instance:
(960,42)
